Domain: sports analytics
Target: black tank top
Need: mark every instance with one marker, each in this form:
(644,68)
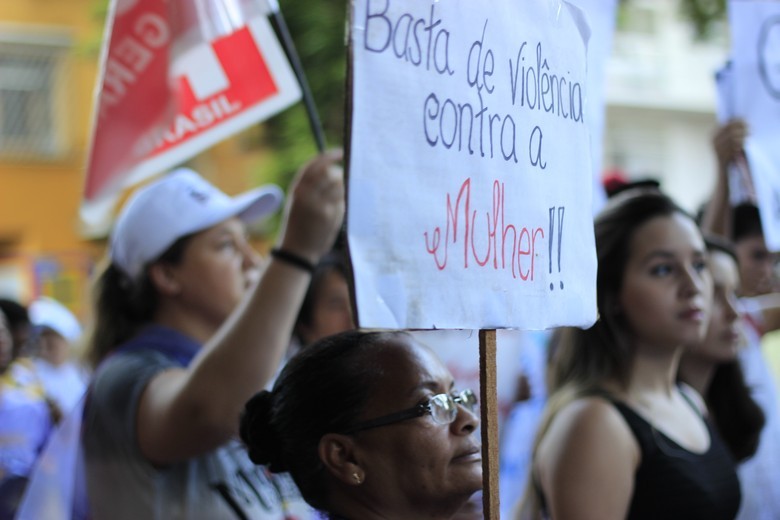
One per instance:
(674,483)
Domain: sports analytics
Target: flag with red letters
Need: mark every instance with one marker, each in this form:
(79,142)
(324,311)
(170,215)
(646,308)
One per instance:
(177,76)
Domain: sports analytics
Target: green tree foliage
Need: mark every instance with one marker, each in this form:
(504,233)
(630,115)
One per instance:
(702,13)
(318,30)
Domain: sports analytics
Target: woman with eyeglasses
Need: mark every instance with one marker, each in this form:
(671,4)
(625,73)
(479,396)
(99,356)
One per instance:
(619,438)
(369,426)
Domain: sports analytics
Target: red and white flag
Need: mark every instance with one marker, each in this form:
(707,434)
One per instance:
(177,76)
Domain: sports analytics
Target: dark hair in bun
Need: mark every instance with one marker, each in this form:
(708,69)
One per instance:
(323,389)
(257,433)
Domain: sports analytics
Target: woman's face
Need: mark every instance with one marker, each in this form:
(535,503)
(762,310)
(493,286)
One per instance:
(417,465)
(217,268)
(332,312)
(54,349)
(757,266)
(722,339)
(666,287)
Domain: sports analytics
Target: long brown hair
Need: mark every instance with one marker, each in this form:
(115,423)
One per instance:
(122,306)
(582,360)
(735,414)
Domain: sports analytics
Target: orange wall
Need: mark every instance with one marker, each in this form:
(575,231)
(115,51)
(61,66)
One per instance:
(39,198)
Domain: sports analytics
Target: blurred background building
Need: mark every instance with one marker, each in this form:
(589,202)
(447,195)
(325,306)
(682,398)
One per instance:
(660,95)
(46,81)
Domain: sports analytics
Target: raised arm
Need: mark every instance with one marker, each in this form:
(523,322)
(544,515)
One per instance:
(188,412)
(586,463)
(728,143)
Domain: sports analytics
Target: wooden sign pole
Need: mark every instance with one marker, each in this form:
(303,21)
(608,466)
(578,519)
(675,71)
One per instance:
(489,424)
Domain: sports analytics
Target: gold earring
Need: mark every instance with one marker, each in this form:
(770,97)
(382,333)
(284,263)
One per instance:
(357,478)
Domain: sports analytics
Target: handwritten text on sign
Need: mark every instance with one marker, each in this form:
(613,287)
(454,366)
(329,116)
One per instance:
(470,170)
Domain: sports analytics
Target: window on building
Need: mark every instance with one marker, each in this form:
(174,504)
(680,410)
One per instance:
(29,77)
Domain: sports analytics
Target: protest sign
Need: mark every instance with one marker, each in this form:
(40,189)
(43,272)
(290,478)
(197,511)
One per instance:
(177,77)
(469,168)
(755,78)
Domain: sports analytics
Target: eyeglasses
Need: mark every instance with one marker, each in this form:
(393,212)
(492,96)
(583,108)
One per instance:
(443,409)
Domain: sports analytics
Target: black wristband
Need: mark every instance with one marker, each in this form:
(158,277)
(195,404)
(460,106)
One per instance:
(292,259)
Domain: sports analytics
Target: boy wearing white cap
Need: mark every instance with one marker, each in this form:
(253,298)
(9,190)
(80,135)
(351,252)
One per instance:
(189,326)
(55,331)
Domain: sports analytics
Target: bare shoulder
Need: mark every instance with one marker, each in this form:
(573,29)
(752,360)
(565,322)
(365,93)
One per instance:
(590,421)
(587,460)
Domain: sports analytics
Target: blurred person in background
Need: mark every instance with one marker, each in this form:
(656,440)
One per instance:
(759,307)
(19,370)
(188,326)
(711,366)
(25,423)
(326,309)
(18,320)
(56,332)
(6,343)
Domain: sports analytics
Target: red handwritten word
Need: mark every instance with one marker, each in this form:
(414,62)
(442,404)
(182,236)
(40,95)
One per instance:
(503,240)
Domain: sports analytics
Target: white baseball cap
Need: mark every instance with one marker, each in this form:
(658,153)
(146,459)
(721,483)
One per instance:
(179,204)
(49,313)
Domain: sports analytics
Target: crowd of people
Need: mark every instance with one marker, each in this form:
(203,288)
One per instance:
(219,384)
(40,382)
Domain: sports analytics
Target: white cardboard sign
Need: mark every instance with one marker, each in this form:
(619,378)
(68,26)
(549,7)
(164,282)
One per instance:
(755,29)
(470,171)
